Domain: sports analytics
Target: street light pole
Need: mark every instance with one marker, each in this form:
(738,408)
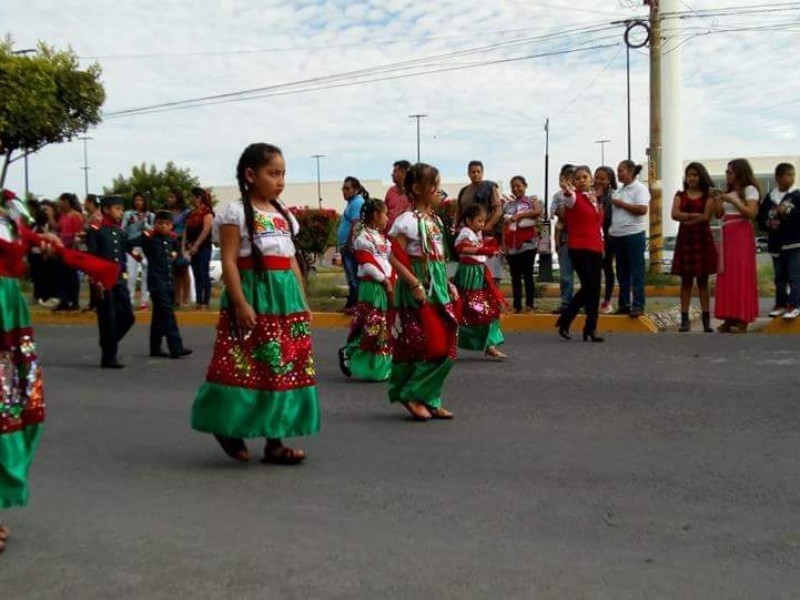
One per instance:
(27,180)
(417,117)
(319,181)
(603,150)
(546,258)
(85,166)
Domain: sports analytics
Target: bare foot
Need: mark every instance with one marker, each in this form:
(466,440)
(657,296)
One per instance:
(4,533)
(493,352)
(418,411)
(440,413)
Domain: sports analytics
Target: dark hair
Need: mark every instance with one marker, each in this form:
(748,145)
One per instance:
(356,184)
(519,178)
(567,169)
(371,207)
(743,174)
(93,199)
(631,166)
(706,183)
(254,157)
(402,164)
(472,211)
(180,203)
(74,203)
(586,168)
(612,176)
(474,163)
(419,174)
(144,200)
(783,168)
(205,198)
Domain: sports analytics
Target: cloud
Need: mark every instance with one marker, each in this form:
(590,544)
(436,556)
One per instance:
(733,83)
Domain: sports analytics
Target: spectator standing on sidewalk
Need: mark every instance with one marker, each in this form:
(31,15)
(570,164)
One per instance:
(396,200)
(566,274)
(135,222)
(354,196)
(605,184)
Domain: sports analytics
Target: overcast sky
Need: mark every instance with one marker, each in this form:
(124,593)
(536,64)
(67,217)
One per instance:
(740,88)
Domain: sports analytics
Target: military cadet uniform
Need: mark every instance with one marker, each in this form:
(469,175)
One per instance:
(106,239)
(161,251)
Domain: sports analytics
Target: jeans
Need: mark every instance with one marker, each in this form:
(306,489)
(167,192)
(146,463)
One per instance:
(521,267)
(201,269)
(565,275)
(608,268)
(350,265)
(629,251)
(589,267)
(787,278)
(134,267)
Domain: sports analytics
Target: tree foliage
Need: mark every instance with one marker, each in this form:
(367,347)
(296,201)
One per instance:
(155,184)
(317,229)
(45,98)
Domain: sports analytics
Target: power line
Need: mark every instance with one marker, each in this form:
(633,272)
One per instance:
(404,65)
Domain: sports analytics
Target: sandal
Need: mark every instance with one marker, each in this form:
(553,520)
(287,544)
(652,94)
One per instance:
(724,328)
(278,454)
(440,413)
(233,447)
(495,354)
(344,362)
(419,412)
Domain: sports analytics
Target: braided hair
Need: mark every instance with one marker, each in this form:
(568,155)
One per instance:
(472,211)
(420,174)
(371,207)
(254,157)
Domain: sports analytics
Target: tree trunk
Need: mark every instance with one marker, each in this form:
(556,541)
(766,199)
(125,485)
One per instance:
(6,161)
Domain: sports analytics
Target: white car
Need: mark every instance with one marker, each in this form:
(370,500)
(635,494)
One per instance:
(215,266)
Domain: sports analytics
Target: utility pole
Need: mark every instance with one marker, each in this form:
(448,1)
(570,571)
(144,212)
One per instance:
(85,166)
(417,117)
(654,152)
(546,258)
(319,181)
(27,179)
(602,150)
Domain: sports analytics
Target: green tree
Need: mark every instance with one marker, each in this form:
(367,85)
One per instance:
(45,98)
(155,184)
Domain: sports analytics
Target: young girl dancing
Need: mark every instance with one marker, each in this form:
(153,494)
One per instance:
(482,301)
(367,354)
(261,380)
(423,321)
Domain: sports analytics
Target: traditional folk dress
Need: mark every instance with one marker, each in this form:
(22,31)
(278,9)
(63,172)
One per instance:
(481,301)
(262,384)
(21,393)
(368,350)
(423,338)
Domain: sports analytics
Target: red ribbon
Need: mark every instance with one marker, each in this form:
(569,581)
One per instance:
(268,263)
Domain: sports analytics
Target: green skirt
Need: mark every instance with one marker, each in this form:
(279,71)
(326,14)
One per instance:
(414,379)
(479,326)
(368,351)
(21,395)
(265,384)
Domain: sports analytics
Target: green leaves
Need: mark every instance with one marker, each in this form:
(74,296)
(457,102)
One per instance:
(154,183)
(46,97)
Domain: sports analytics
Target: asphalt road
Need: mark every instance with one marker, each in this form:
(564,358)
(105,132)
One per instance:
(648,467)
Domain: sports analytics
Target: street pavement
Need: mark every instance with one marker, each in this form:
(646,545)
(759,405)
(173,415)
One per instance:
(647,467)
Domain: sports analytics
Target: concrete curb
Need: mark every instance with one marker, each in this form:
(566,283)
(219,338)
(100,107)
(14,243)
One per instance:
(511,322)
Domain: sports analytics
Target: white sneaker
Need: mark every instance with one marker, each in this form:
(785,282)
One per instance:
(777,312)
(606,308)
(792,314)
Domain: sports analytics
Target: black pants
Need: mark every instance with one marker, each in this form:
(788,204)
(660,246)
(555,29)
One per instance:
(521,267)
(201,266)
(608,268)
(45,276)
(163,323)
(69,287)
(114,318)
(588,265)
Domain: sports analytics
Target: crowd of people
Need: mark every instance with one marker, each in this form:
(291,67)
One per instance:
(410,317)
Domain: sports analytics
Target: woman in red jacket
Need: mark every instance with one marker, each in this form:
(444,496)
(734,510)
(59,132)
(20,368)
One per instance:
(584,219)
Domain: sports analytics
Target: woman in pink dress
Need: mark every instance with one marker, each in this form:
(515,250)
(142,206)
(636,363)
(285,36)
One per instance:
(737,283)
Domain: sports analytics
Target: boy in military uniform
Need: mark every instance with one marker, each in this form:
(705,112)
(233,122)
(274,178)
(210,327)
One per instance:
(106,239)
(161,246)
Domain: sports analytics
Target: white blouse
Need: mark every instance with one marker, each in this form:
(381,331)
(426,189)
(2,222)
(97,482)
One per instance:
(750,193)
(407,225)
(469,237)
(271,231)
(374,242)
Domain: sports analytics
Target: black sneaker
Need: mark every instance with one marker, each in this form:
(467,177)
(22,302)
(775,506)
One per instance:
(181,354)
(158,354)
(623,310)
(344,362)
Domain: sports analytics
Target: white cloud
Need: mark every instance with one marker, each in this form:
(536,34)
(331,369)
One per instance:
(733,83)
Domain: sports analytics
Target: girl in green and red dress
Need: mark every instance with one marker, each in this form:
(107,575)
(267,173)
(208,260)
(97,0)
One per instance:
(261,381)
(368,355)
(423,322)
(481,300)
